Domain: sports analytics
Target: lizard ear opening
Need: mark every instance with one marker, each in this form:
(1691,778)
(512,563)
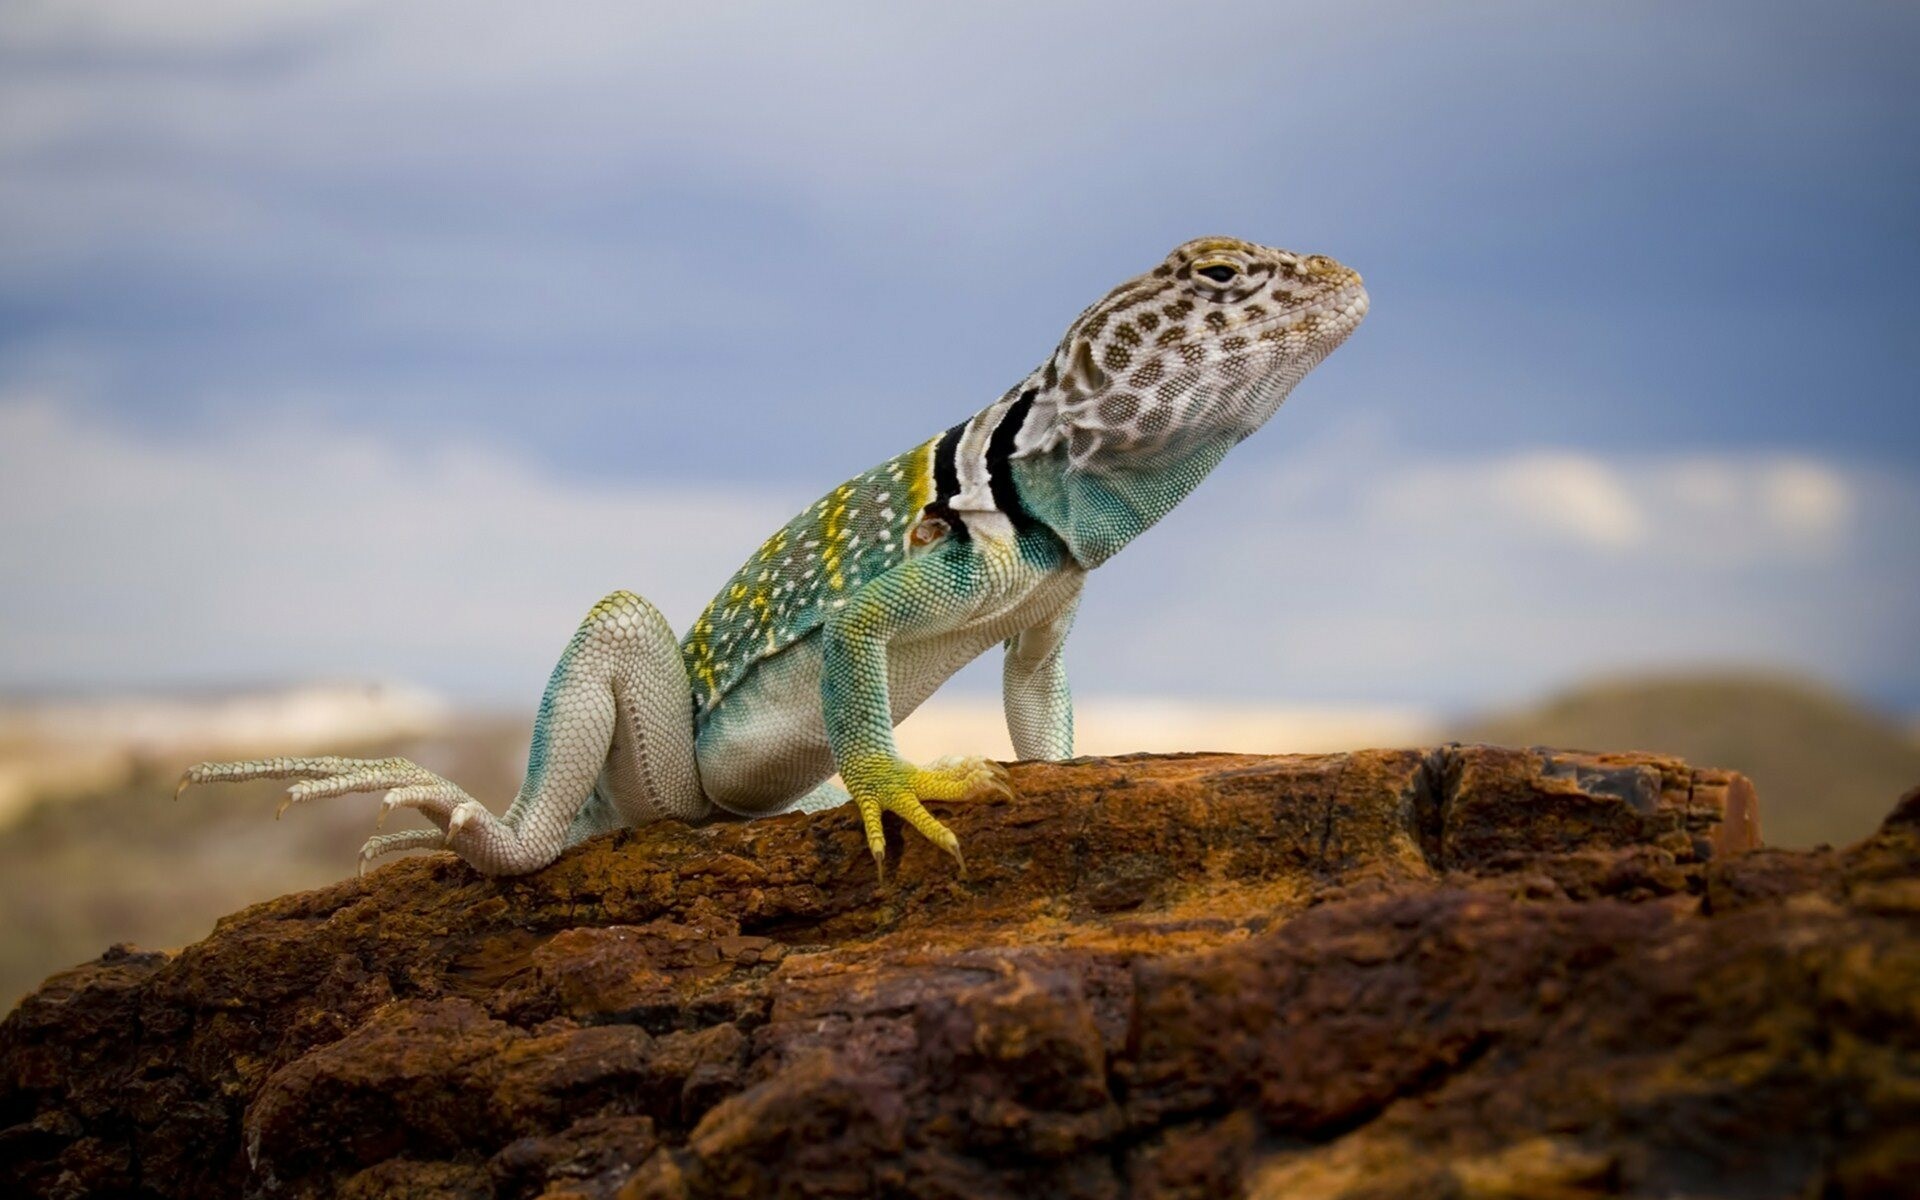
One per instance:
(930,530)
(1084,376)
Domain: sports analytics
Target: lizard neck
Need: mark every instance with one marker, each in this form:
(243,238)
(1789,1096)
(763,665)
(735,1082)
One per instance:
(1097,512)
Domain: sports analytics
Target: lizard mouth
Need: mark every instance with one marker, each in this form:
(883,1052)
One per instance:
(1337,312)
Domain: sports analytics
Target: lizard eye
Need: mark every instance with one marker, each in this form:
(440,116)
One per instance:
(1219,272)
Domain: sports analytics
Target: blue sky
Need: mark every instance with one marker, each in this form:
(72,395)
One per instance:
(293,298)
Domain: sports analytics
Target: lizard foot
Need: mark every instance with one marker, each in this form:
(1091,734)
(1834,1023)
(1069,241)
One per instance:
(965,777)
(890,785)
(406,785)
(394,843)
(491,845)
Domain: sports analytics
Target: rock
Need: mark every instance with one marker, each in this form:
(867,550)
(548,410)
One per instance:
(1467,972)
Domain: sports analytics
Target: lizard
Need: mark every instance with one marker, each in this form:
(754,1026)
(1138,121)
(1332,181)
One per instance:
(855,611)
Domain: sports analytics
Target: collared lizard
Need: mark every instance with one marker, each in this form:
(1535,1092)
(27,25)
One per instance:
(851,614)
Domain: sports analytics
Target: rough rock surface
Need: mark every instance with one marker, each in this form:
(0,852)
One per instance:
(1466,972)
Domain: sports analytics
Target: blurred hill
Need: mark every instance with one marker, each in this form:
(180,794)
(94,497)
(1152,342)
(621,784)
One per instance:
(115,860)
(52,747)
(1826,767)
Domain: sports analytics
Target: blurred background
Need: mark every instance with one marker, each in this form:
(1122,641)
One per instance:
(350,351)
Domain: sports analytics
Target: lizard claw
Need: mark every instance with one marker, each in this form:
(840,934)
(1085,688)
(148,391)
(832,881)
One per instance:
(442,802)
(459,818)
(889,785)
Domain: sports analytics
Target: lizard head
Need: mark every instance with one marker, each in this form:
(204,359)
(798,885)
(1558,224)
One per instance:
(1204,346)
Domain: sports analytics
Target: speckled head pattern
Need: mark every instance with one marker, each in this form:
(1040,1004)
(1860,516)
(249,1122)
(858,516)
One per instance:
(1208,343)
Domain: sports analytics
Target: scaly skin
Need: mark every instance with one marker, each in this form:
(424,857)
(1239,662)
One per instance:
(854,612)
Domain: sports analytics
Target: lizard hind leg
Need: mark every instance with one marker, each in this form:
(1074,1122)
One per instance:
(613,743)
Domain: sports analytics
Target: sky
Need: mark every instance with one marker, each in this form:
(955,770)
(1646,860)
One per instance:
(369,340)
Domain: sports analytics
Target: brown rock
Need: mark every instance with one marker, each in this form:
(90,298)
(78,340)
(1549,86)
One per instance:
(1466,972)
(590,1158)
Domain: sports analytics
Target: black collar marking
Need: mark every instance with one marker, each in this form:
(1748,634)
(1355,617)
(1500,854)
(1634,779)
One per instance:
(946,483)
(1000,447)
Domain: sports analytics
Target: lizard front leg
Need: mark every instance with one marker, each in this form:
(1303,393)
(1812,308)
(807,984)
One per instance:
(615,732)
(925,596)
(1033,687)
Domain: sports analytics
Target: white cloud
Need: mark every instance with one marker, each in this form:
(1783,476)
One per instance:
(793,86)
(221,123)
(1570,493)
(284,551)
(1558,494)
(1362,569)
(132,26)
(1807,499)
(1729,507)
